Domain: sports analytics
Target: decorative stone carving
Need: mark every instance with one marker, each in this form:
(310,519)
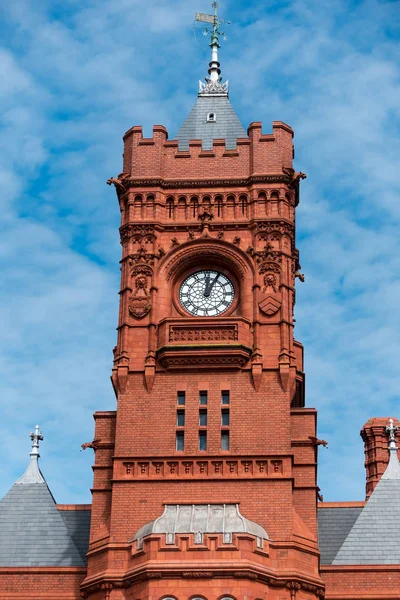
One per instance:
(138,232)
(120,182)
(271,302)
(139,304)
(197,334)
(205,250)
(258,467)
(212,88)
(133,182)
(295,176)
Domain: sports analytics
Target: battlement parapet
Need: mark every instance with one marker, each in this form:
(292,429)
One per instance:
(257,154)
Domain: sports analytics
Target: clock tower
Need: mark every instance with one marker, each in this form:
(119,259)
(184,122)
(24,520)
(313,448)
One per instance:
(205,475)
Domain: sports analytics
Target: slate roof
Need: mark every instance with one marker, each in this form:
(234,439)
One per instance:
(78,526)
(334,525)
(32,531)
(374,537)
(227,125)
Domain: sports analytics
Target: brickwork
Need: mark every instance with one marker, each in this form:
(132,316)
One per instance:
(233,211)
(41,583)
(361,582)
(375,441)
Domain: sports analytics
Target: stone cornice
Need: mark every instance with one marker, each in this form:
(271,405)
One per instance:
(133,182)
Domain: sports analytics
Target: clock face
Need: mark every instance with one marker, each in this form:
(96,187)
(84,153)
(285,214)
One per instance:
(206,293)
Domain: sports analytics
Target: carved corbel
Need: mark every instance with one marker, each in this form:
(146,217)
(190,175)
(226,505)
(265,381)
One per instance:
(256,369)
(119,375)
(287,373)
(149,370)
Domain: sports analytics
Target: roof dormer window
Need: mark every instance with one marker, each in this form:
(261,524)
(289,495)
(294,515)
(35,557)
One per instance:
(211,117)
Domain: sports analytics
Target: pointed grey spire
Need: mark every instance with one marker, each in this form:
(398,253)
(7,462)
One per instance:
(32,473)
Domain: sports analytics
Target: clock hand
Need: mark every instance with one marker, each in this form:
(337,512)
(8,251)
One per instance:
(213,283)
(206,292)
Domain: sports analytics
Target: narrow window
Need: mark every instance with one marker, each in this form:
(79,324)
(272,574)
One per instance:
(218,203)
(203,418)
(195,207)
(203,397)
(181,396)
(202,440)
(180,418)
(225,440)
(170,208)
(243,204)
(180,440)
(225,418)
(225,397)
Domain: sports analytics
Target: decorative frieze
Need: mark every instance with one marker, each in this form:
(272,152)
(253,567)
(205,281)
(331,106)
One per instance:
(206,468)
(202,334)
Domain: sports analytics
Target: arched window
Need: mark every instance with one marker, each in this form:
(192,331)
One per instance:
(243,204)
(211,117)
(150,201)
(138,207)
(194,207)
(170,208)
(218,205)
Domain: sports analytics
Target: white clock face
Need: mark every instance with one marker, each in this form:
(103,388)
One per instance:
(206,293)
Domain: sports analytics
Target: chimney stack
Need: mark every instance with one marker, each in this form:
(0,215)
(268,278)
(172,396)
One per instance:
(376,451)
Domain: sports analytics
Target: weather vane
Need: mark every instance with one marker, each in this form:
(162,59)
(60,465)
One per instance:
(213,29)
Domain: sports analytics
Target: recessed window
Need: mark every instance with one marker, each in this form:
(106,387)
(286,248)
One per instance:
(211,117)
(225,418)
(203,397)
(194,203)
(180,440)
(170,208)
(203,418)
(202,440)
(181,396)
(225,397)
(180,418)
(224,440)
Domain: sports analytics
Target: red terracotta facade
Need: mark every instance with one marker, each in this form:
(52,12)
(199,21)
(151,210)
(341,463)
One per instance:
(231,210)
(234,211)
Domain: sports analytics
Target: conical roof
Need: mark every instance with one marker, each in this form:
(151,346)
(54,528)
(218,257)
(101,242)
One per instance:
(198,125)
(213,116)
(32,531)
(374,537)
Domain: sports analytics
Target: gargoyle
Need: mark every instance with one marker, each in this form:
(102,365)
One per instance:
(319,495)
(94,444)
(118,182)
(295,176)
(300,276)
(317,442)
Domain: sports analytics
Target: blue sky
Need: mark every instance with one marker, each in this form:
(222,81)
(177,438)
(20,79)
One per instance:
(76,75)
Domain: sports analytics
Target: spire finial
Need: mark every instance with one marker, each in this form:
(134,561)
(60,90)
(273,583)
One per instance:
(36,437)
(392,430)
(33,474)
(213,85)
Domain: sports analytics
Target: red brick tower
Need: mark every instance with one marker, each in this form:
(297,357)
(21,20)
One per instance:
(205,475)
